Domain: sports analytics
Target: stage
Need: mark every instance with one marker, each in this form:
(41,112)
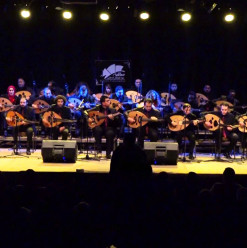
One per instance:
(201,164)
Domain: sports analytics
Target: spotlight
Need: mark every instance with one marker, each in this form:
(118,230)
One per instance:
(25,13)
(144,15)
(229,17)
(67,15)
(186,17)
(104,16)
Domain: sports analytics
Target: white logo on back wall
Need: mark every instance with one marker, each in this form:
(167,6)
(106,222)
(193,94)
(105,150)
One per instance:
(114,73)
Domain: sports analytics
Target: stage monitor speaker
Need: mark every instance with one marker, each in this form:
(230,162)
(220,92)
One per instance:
(59,151)
(161,153)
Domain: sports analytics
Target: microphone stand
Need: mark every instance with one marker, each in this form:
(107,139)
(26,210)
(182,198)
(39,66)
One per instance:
(51,123)
(243,157)
(184,122)
(87,145)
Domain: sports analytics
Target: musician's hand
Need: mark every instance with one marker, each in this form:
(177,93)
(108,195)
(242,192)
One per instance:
(111,117)
(208,124)
(241,124)
(87,105)
(71,105)
(8,119)
(35,106)
(174,123)
(90,120)
(46,122)
(61,129)
(195,122)
(229,128)
(27,97)
(153,118)
(131,120)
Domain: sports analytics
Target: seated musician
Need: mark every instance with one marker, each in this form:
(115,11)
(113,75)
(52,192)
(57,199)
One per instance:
(15,100)
(138,86)
(47,97)
(232,98)
(28,114)
(108,90)
(155,97)
(21,86)
(55,90)
(207,104)
(120,96)
(188,131)
(242,121)
(107,128)
(227,132)
(151,128)
(83,94)
(65,113)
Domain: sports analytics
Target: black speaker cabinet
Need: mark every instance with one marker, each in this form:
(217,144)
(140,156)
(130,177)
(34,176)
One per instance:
(59,151)
(161,153)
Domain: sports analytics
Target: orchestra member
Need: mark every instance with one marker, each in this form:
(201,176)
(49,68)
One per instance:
(189,131)
(21,86)
(232,98)
(242,121)
(226,131)
(108,127)
(192,100)
(155,97)
(108,90)
(47,97)
(207,104)
(28,114)
(120,96)
(83,94)
(138,85)
(60,108)
(15,100)
(55,90)
(151,128)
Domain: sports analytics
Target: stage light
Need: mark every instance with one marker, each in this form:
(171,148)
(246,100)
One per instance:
(186,17)
(25,13)
(67,15)
(144,15)
(104,16)
(229,17)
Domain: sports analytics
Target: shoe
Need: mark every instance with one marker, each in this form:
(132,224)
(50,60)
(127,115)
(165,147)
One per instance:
(15,147)
(108,156)
(227,155)
(28,152)
(99,155)
(191,156)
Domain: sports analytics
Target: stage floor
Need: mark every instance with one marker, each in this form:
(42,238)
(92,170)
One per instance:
(201,165)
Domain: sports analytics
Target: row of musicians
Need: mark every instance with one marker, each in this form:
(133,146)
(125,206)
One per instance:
(112,121)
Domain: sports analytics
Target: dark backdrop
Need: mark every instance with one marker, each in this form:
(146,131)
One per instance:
(207,50)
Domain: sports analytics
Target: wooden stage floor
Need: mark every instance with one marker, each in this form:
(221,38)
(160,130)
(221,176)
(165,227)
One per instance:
(200,165)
